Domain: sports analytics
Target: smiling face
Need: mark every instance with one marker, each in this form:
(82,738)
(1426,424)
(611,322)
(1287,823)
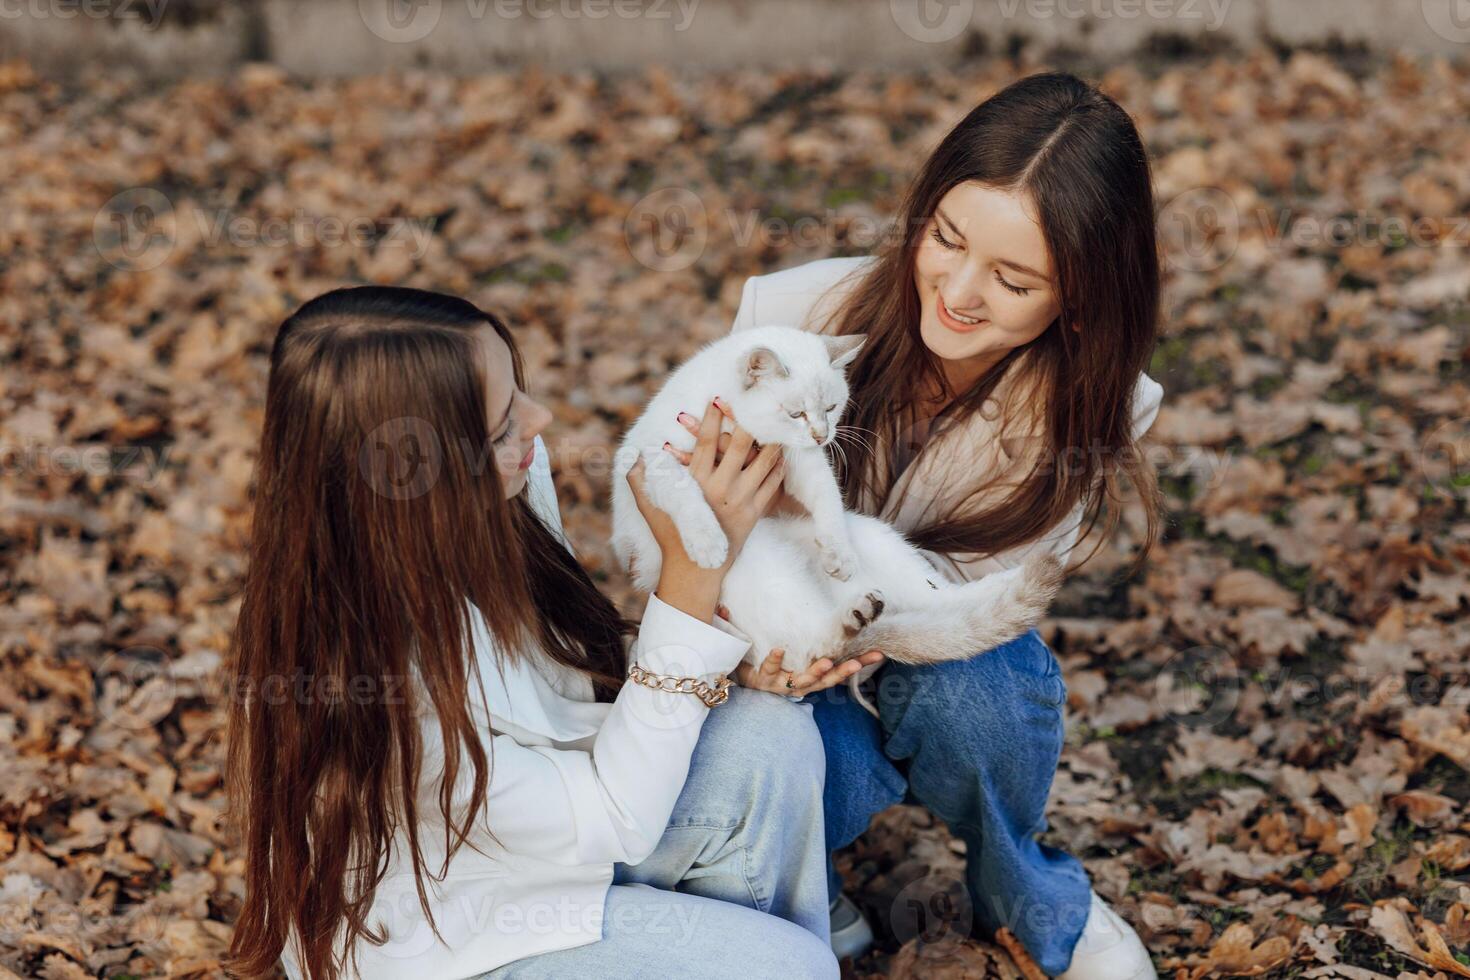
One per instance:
(514,418)
(985,279)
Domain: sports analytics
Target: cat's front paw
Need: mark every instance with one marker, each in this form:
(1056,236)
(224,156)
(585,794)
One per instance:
(707,547)
(838,560)
(869,608)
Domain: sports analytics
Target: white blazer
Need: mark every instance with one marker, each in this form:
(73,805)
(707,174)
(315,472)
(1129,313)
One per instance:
(575,786)
(807,296)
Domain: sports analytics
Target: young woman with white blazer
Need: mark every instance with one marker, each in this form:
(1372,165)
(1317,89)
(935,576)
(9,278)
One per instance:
(996,406)
(436,764)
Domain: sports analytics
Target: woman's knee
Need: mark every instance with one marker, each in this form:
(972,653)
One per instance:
(768,735)
(813,959)
(779,948)
(997,689)
(983,732)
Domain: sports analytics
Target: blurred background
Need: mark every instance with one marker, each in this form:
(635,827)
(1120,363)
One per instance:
(1268,738)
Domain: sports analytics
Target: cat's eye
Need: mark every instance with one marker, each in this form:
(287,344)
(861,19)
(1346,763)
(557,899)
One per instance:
(796,415)
(831,408)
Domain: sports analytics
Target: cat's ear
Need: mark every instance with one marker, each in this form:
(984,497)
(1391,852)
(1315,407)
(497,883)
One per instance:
(762,362)
(843,349)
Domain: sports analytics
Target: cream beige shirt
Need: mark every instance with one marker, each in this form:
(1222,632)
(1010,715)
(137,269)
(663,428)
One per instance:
(998,439)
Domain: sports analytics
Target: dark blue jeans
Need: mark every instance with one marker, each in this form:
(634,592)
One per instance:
(976,741)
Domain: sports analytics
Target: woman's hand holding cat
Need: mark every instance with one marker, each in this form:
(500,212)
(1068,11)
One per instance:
(739,488)
(771,676)
(784,505)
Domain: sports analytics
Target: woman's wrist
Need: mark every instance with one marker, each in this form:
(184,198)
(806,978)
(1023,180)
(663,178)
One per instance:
(690,589)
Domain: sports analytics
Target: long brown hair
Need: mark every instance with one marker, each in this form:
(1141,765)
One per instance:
(1077,153)
(378,513)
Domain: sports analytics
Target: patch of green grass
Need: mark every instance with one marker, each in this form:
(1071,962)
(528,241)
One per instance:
(1168,353)
(1180,487)
(562,234)
(1190,525)
(1207,373)
(1222,918)
(1318,865)
(527,272)
(839,196)
(1176,800)
(1370,877)
(1444,777)
(1358,947)
(1244,554)
(1267,385)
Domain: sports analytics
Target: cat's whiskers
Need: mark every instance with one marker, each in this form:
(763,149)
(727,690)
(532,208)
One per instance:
(857,434)
(837,446)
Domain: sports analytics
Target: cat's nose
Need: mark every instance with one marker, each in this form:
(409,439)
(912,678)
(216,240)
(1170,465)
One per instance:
(819,434)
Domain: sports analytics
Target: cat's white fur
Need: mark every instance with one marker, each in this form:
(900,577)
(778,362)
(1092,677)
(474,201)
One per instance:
(834,584)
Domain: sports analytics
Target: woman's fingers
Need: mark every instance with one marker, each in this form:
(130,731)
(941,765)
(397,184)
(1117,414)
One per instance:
(690,423)
(824,675)
(770,488)
(734,459)
(815,673)
(638,483)
(635,479)
(756,474)
(820,675)
(703,460)
(678,454)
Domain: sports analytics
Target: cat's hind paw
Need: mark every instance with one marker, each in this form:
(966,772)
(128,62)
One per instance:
(838,560)
(868,609)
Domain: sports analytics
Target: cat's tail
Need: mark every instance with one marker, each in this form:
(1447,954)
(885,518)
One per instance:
(965,620)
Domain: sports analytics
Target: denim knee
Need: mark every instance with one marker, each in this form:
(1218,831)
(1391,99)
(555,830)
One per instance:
(771,740)
(812,958)
(995,718)
(979,692)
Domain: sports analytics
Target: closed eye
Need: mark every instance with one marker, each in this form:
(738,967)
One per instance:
(831,409)
(1018,290)
(797,415)
(938,236)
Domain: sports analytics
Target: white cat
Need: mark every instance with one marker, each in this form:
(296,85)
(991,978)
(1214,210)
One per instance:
(834,584)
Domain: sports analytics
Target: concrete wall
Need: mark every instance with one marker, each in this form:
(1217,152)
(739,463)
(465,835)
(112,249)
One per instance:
(336,37)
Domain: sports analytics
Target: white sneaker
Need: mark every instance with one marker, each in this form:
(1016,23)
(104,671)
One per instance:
(1109,949)
(851,934)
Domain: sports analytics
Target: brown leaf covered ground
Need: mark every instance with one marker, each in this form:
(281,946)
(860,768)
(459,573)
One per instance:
(1266,764)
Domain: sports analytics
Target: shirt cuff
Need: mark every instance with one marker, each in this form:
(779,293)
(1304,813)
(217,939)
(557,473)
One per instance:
(671,641)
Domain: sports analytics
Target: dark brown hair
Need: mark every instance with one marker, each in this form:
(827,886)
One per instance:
(1079,157)
(378,513)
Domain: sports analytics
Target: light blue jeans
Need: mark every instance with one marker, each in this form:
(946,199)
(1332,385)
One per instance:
(737,887)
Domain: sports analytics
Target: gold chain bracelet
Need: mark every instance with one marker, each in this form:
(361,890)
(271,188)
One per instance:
(719,693)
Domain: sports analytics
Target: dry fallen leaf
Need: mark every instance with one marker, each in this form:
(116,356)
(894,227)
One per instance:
(1265,726)
(1236,953)
(1394,927)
